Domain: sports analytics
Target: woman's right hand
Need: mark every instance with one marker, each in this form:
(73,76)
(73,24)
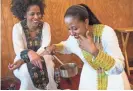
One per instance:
(15,65)
(35,59)
(51,49)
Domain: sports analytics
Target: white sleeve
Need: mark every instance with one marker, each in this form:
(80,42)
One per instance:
(46,37)
(67,46)
(111,47)
(17,38)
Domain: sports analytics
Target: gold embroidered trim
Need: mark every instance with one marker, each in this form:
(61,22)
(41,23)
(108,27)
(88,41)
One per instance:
(59,47)
(102,62)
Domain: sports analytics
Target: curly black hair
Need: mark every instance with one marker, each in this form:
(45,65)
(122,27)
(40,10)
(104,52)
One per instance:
(20,7)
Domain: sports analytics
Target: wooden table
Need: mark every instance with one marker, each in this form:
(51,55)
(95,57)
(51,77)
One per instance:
(126,31)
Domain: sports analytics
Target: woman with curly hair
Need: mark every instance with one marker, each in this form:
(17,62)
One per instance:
(30,37)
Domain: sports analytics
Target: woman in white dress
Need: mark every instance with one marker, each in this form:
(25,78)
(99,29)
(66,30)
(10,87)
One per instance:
(30,37)
(97,46)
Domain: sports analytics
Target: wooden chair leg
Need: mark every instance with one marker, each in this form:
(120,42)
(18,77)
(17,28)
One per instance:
(124,44)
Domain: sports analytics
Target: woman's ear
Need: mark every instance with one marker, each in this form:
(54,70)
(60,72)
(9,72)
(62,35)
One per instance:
(86,23)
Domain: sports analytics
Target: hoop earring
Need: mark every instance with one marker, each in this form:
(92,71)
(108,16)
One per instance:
(87,33)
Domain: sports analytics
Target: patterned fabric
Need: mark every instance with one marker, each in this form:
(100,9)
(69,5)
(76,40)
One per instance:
(39,77)
(102,78)
(99,63)
(24,56)
(98,29)
(33,44)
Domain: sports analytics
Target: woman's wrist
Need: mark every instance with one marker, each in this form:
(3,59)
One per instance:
(93,50)
(29,52)
(95,53)
(54,47)
(50,49)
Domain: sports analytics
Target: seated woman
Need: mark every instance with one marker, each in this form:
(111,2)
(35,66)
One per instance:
(30,36)
(97,46)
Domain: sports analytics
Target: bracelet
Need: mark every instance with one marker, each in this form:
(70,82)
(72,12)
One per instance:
(46,49)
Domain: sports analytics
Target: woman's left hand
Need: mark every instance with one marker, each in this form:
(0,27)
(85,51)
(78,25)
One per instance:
(88,45)
(35,58)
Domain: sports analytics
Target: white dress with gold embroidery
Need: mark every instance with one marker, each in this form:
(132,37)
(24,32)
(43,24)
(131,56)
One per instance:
(20,44)
(88,79)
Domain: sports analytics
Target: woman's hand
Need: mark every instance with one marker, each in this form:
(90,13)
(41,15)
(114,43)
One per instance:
(88,45)
(50,49)
(15,65)
(35,59)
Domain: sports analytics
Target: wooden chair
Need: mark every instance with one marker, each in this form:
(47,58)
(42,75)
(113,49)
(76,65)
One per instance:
(126,31)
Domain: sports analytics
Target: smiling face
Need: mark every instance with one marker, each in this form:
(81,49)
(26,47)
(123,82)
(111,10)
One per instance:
(76,27)
(33,15)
